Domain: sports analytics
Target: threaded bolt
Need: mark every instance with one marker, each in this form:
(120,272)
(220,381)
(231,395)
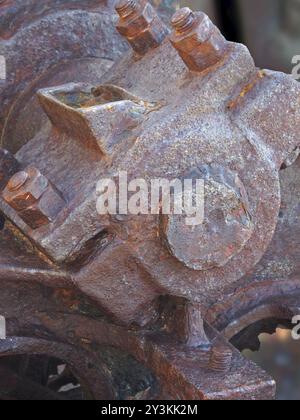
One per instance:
(183,19)
(126,7)
(17,181)
(220,359)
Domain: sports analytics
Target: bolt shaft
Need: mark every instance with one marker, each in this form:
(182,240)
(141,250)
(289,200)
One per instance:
(221,359)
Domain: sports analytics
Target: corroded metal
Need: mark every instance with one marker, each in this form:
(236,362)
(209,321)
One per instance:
(46,43)
(148,301)
(198,41)
(228,223)
(35,199)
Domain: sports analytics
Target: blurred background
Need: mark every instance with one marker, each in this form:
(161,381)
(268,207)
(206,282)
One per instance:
(271,31)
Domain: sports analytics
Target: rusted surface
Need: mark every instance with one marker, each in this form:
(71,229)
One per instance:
(97,118)
(221,358)
(143,297)
(76,333)
(47,43)
(193,328)
(37,201)
(227,226)
(140,25)
(198,41)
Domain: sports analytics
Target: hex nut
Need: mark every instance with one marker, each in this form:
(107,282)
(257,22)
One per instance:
(198,41)
(36,200)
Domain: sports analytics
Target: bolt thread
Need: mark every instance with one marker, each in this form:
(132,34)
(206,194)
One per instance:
(17,181)
(183,20)
(221,359)
(126,7)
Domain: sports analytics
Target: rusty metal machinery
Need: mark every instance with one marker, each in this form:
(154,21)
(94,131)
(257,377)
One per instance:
(142,307)
(47,43)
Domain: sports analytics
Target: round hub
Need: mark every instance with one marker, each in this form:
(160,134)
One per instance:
(227,224)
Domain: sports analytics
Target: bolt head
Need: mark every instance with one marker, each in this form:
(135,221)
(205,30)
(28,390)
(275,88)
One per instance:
(137,22)
(227,225)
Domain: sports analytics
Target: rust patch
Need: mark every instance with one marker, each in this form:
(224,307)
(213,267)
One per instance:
(234,103)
